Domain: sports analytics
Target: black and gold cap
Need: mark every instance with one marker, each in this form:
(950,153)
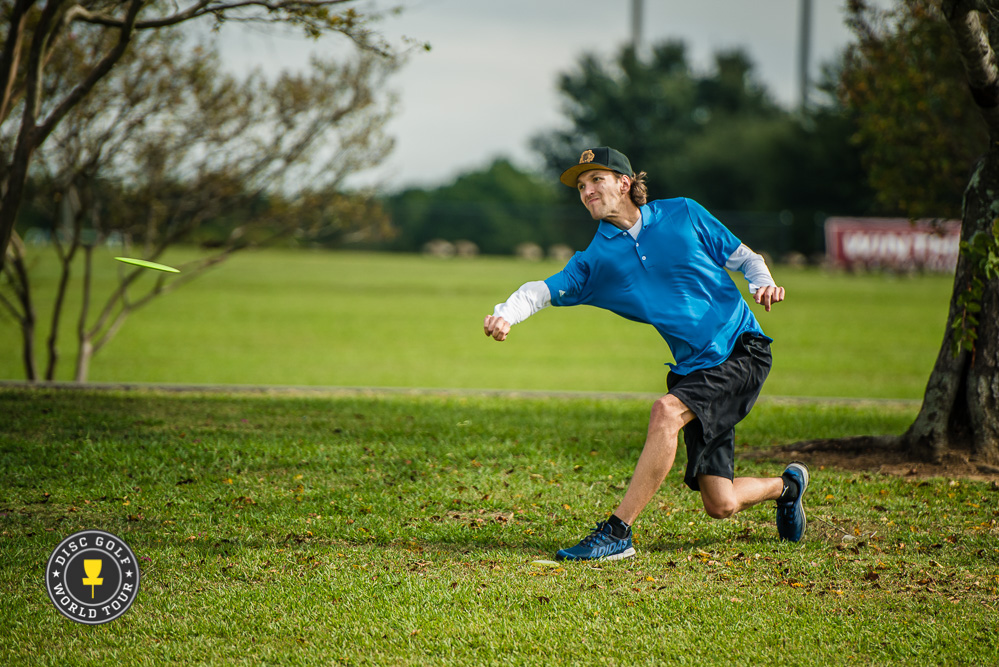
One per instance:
(597,158)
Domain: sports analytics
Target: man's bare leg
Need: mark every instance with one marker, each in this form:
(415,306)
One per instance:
(724,497)
(669,415)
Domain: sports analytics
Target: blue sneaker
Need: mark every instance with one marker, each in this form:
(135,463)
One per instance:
(599,545)
(790,512)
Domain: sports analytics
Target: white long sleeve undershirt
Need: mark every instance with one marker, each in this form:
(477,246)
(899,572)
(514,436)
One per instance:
(751,265)
(529,299)
(534,296)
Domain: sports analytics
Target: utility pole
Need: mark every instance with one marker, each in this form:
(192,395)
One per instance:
(804,48)
(637,10)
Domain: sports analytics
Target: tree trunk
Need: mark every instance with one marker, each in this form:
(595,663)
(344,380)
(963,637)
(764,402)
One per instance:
(17,271)
(960,410)
(13,191)
(981,384)
(85,349)
(961,405)
(72,215)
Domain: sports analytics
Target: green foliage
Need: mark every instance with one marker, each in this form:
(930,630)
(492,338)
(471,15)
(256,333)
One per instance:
(982,253)
(917,127)
(496,208)
(401,530)
(716,136)
(652,110)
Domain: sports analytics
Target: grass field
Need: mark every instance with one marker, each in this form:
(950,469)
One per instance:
(400,530)
(343,319)
(384,528)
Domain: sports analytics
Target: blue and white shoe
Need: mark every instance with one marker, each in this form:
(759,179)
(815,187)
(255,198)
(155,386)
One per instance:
(790,512)
(599,545)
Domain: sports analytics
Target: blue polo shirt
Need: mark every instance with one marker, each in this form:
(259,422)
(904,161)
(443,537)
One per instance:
(672,276)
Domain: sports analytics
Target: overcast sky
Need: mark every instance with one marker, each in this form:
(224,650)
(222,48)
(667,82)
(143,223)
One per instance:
(488,84)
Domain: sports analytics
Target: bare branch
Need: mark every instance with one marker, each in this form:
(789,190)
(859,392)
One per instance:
(33,76)
(100,339)
(307,14)
(203,8)
(966,21)
(18,289)
(18,273)
(10,307)
(76,208)
(119,295)
(96,74)
(10,58)
(116,324)
(78,13)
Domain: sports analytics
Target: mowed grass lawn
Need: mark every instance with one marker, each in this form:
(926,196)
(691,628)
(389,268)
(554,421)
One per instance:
(371,320)
(402,530)
(345,527)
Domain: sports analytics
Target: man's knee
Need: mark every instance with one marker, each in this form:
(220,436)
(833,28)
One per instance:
(670,414)
(718,496)
(719,508)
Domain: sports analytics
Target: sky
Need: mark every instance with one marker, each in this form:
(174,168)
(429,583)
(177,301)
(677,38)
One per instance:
(488,84)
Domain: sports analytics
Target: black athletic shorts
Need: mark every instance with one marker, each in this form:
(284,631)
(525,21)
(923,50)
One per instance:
(720,397)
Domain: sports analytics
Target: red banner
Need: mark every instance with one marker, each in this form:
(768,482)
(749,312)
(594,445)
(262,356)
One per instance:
(896,244)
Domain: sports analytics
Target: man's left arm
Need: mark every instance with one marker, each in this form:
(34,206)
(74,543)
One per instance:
(761,284)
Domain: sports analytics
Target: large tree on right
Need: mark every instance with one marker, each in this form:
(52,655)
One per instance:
(924,78)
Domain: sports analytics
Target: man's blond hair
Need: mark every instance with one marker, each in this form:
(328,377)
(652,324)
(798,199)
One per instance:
(639,192)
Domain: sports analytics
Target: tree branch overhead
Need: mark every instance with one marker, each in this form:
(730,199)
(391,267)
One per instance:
(39,29)
(973,23)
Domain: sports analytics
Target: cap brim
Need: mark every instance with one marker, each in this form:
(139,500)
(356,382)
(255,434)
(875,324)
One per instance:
(570,175)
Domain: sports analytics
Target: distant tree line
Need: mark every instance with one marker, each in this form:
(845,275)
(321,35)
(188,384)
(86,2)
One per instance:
(717,137)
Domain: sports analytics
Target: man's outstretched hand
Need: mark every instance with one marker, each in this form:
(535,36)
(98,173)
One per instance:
(767,296)
(498,328)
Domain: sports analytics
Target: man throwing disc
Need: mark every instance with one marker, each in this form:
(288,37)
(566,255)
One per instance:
(663,263)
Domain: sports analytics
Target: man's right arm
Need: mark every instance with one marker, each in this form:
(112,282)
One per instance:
(529,299)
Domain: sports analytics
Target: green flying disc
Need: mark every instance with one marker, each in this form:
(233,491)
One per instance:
(148,265)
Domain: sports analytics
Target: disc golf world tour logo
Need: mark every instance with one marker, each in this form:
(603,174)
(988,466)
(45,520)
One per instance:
(92,577)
